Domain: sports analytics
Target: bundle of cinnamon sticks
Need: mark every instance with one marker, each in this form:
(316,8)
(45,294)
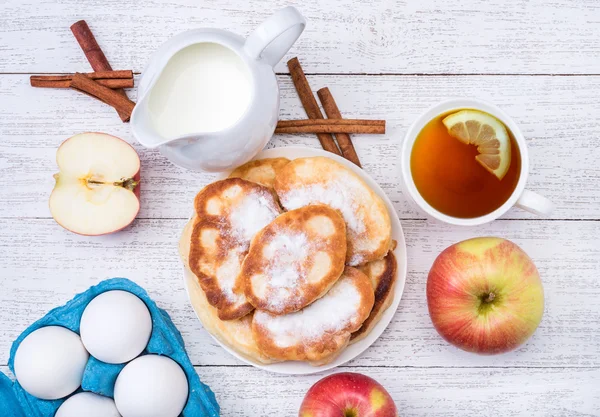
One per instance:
(103,84)
(324,128)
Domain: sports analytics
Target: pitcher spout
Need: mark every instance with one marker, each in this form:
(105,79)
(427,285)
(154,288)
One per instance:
(143,128)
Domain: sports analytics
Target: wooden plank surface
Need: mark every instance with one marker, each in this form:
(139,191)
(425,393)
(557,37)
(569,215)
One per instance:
(342,36)
(539,60)
(558,116)
(432,392)
(45,266)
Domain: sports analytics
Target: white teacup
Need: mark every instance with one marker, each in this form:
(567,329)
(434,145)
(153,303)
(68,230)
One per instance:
(525,199)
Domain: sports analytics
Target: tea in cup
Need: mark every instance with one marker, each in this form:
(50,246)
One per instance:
(465,162)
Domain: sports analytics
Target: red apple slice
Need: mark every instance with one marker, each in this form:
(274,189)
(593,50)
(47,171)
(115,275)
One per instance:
(97,187)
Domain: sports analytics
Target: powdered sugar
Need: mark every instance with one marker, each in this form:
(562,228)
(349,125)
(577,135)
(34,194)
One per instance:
(330,314)
(343,193)
(246,215)
(251,214)
(287,247)
(348,195)
(287,253)
(246,218)
(227,273)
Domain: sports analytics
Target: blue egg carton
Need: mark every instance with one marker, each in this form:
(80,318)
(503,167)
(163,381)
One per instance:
(100,377)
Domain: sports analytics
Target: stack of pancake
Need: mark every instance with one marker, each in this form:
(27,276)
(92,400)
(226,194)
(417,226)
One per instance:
(293,259)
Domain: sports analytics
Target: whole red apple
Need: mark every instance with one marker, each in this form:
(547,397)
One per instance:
(485,295)
(347,395)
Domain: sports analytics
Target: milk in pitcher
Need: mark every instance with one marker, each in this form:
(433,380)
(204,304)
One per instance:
(205,87)
(209,99)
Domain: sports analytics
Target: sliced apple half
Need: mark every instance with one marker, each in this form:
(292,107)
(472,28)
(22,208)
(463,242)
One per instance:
(97,187)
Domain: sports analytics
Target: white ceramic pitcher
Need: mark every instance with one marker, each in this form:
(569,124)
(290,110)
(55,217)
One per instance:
(238,143)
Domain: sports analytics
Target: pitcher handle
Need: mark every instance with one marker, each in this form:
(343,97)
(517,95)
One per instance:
(275,36)
(535,203)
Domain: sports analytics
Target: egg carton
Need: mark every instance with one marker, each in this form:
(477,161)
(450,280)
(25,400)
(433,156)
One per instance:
(100,377)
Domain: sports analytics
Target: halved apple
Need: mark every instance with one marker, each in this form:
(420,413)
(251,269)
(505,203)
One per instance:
(97,187)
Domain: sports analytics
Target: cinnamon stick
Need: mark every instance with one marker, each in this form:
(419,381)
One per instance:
(110,79)
(331,126)
(109,82)
(123,105)
(94,55)
(120,74)
(310,103)
(333,112)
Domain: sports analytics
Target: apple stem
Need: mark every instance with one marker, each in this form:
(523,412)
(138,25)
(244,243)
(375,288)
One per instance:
(128,184)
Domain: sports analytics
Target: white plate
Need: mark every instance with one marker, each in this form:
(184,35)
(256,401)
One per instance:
(352,351)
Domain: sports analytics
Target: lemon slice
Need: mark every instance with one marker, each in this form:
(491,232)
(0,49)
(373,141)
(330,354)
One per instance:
(483,130)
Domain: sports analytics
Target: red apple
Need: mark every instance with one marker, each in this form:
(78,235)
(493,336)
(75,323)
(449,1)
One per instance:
(347,395)
(485,295)
(97,187)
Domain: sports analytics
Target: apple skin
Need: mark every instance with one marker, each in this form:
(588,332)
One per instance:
(485,295)
(347,394)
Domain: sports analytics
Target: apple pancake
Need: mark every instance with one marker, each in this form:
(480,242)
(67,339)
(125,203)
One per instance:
(235,334)
(383,278)
(319,332)
(261,171)
(228,214)
(321,180)
(295,259)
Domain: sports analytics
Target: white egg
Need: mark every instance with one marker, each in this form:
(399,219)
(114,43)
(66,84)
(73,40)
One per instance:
(50,361)
(89,405)
(151,386)
(115,327)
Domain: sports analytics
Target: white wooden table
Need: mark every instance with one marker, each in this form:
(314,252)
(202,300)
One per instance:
(539,60)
